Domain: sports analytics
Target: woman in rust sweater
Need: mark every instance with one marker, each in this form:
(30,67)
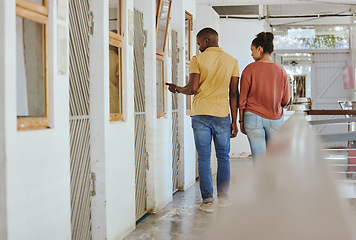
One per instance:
(264,91)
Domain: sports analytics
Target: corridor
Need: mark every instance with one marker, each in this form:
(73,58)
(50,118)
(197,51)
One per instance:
(92,140)
(181,219)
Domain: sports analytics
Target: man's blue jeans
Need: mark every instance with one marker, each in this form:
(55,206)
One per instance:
(205,129)
(259,130)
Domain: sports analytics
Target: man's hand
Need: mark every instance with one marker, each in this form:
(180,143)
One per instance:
(242,128)
(172,87)
(234,130)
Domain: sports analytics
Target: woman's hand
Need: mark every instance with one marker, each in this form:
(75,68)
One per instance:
(234,130)
(242,128)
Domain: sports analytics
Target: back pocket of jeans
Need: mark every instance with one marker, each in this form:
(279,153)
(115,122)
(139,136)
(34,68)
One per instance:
(198,122)
(223,125)
(276,124)
(250,121)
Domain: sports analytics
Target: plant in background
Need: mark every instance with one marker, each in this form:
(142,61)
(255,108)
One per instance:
(329,41)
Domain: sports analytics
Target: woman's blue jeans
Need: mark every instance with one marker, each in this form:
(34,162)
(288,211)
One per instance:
(259,130)
(205,129)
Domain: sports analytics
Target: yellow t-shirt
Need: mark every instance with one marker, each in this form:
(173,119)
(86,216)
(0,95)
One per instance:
(216,69)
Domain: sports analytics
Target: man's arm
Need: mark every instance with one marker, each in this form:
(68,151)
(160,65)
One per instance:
(190,89)
(234,98)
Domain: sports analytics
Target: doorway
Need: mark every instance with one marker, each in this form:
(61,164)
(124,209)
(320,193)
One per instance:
(175,123)
(80,181)
(140,117)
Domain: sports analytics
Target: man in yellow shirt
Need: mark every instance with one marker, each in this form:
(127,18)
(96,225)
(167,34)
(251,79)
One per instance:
(213,80)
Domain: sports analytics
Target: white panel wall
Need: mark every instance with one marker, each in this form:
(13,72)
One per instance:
(189,146)
(186,138)
(37,161)
(149,14)
(99,114)
(353,46)
(163,144)
(206,17)
(5,73)
(120,164)
(113,156)
(159,136)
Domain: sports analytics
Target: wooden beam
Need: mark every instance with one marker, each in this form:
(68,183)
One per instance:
(116,36)
(161,115)
(167,24)
(159,55)
(158,12)
(115,42)
(116,117)
(34,7)
(28,123)
(33,16)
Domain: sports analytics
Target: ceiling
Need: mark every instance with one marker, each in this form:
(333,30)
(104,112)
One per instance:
(253,2)
(288,12)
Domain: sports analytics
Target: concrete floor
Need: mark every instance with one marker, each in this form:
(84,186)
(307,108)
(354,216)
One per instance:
(181,219)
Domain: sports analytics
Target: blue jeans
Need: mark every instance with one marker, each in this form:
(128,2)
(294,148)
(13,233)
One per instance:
(205,129)
(259,130)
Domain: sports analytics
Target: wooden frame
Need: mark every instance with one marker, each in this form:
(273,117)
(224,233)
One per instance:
(188,17)
(163,113)
(188,97)
(116,40)
(38,14)
(167,24)
(160,52)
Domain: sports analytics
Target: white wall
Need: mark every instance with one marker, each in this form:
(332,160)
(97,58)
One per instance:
(189,146)
(37,161)
(99,115)
(112,143)
(206,17)
(159,135)
(120,164)
(353,47)
(236,36)
(6,71)
(187,158)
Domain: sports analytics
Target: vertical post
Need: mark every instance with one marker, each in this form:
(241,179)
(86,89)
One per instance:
(5,70)
(353,45)
(99,112)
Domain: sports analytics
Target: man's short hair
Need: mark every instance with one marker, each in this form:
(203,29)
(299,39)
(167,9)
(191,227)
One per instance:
(206,31)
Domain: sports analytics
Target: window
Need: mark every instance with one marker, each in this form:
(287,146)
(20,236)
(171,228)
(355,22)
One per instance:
(312,37)
(163,11)
(160,87)
(32,64)
(188,42)
(115,61)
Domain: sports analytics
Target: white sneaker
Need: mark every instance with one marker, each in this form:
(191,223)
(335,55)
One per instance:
(207,207)
(223,203)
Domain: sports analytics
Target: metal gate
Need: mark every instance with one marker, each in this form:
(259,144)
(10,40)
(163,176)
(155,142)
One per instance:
(328,88)
(79,119)
(175,140)
(140,118)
